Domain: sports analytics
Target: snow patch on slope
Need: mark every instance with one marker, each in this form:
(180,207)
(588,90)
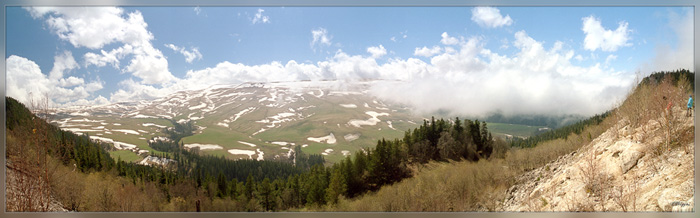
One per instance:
(348,105)
(247,143)
(153,124)
(327,151)
(127,131)
(118,145)
(369,122)
(330,139)
(351,137)
(204,146)
(241,151)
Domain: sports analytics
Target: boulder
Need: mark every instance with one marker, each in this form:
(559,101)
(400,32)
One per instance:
(629,159)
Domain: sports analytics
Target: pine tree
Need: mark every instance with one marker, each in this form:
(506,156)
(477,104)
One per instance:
(336,187)
(222,184)
(458,126)
(317,184)
(266,197)
(249,187)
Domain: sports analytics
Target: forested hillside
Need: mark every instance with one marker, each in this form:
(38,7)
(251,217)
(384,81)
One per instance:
(185,180)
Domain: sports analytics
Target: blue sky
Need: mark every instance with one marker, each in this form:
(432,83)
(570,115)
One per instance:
(104,55)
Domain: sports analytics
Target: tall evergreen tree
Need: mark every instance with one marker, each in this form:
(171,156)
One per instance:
(336,187)
(266,197)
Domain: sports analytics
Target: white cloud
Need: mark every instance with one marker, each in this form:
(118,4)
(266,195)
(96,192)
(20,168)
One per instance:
(190,55)
(427,52)
(504,44)
(20,73)
(490,17)
(62,63)
(26,83)
(681,55)
(112,57)
(448,40)
(96,27)
(133,91)
(70,81)
(403,35)
(377,51)
(320,37)
(597,37)
(260,18)
(610,58)
(197,10)
(99,100)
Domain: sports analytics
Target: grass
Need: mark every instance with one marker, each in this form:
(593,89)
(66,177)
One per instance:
(220,136)
(125,155)
(516,130)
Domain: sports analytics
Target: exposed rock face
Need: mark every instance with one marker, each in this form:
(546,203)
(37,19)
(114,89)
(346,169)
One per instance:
(624,169)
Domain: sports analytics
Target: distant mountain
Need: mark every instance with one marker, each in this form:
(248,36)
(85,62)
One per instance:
(251,120)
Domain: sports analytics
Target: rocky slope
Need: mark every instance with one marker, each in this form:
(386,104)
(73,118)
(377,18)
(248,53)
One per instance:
(624,169)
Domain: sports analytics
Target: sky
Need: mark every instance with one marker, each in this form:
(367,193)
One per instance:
(468,60)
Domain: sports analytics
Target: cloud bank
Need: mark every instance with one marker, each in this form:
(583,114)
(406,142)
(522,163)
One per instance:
(26,83)
(475,81)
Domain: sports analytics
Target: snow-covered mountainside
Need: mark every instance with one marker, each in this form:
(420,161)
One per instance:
(251,120)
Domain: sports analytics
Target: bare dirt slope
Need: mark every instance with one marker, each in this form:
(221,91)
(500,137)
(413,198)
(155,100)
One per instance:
(624,169)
